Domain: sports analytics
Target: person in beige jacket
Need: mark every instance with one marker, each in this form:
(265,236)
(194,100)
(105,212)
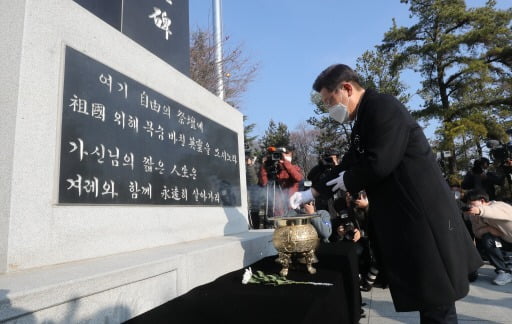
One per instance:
(491,222)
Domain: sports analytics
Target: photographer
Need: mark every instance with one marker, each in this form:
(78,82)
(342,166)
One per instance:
(353,226)
(501,154)
(326,163)
(348,217)
(322,224)
(278,171)
(479,178)
(492,221)
(347,225)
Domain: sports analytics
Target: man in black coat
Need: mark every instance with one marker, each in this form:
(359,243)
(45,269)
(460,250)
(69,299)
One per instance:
(479,178)
(421,241)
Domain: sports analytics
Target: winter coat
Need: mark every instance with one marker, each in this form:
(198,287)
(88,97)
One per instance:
(288,176)
(422,243)
(286,183)
(494,218)
(482,180)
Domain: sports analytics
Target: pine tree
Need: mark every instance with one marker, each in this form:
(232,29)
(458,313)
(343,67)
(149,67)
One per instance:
(249,141)
(375,71)
(276,135)
(465,59)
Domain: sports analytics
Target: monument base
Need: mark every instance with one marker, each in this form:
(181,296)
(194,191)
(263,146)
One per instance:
(116,288)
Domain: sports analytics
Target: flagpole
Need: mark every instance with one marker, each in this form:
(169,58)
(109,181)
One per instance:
(217,35)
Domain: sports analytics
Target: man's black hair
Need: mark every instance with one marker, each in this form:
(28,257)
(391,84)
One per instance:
(485,161)
(475,194)
(331,77)
(328,153)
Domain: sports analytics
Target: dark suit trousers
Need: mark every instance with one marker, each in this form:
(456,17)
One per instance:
(488,244)
(439,315)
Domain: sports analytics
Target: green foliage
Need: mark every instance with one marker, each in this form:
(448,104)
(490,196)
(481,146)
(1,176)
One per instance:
(454,180)
(249,141)
(377,72)
(276,135)
(464,57)
(259,277)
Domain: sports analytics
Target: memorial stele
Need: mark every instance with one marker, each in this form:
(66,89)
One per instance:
(121,185)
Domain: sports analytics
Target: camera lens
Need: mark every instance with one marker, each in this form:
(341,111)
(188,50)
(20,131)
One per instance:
(349,231)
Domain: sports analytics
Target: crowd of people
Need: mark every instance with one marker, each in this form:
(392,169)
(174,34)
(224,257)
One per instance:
(488,220)
(388,196)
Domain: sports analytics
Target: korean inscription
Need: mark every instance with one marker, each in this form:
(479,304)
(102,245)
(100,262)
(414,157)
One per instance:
(124,143)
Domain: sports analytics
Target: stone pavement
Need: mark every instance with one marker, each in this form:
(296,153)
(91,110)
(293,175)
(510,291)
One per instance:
(485,303)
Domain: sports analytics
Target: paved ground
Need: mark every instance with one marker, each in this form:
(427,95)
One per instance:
(486,303)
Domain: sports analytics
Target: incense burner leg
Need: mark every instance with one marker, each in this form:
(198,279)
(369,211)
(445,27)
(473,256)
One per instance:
(285,260)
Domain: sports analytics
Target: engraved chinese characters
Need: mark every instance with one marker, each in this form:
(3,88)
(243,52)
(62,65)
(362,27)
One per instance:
(123,143)
(160,26)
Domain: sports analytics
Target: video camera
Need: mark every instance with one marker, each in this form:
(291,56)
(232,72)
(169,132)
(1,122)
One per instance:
(500,152)
(305,185)
(348,227)
(465,208)
(274,155)
(321,173)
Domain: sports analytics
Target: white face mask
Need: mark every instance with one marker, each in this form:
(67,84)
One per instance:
(339,113)
(288,158)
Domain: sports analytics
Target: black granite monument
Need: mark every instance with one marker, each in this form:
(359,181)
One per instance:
(124,143)
(160,26)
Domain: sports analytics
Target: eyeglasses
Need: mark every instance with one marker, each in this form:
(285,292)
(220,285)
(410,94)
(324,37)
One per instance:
(327,101)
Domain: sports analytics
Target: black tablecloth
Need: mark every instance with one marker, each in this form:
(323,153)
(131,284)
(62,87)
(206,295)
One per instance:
(227,300)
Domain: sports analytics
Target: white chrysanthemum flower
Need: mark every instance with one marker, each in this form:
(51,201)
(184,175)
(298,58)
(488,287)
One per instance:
(247,276)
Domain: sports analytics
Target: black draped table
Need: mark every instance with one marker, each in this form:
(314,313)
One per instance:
(227,300)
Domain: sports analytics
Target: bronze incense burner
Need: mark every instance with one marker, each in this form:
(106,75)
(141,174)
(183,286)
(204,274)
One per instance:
(295,237)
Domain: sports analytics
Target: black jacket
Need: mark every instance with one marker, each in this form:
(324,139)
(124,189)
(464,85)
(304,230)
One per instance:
(422,243)
(476,179)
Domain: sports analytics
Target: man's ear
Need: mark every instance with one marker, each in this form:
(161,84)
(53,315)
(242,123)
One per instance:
(348,87)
